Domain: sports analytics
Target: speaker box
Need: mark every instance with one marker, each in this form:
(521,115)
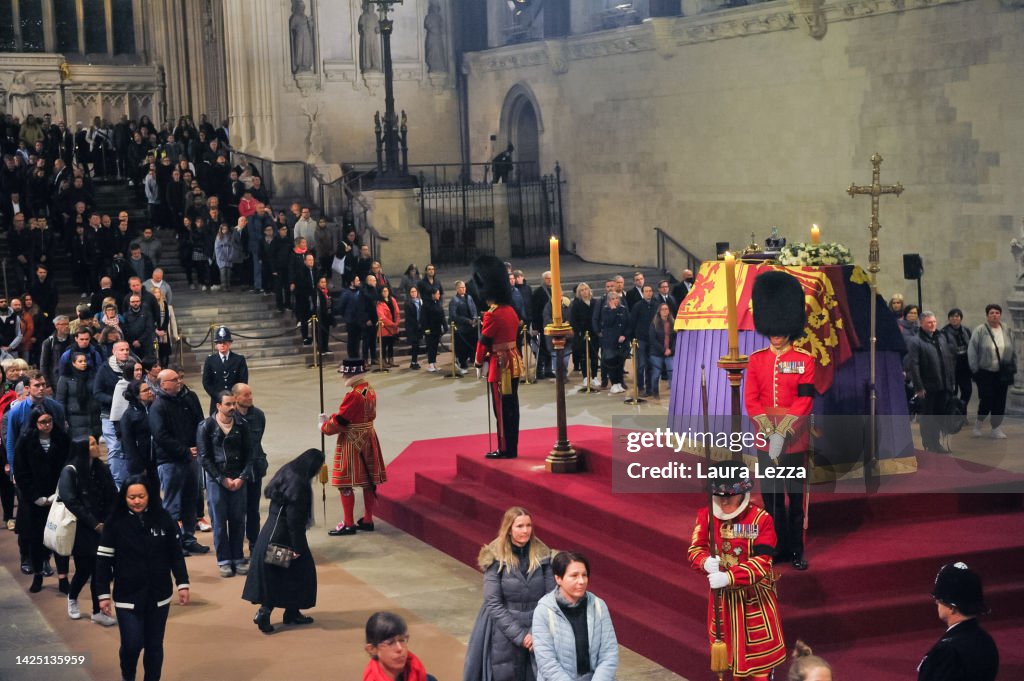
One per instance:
(913,266)
(720,248)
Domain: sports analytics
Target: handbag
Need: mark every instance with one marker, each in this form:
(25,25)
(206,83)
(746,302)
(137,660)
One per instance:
(338,265)
(1007,371)
(954,415)
(278,555)
(61,526)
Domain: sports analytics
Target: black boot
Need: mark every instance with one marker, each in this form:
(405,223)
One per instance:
(37,584)
(262,620)
(296,617)
(63,586)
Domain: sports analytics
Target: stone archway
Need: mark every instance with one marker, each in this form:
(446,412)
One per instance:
(521,124)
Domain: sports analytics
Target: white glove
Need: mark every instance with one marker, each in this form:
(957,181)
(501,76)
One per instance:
(776,443)
(712,564)
(42,501)
(719,580)
(321,420)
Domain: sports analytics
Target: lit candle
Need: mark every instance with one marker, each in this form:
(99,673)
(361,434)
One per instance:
(815,234)
(730,292)
(556,285)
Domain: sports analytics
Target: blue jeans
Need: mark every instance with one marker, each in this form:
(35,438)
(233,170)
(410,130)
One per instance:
(142,627)
(659,365)
(178,487)
(115,455)
(257,267)
(227,515)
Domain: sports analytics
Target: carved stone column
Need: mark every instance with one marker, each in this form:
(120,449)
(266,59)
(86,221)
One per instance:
(1015,307)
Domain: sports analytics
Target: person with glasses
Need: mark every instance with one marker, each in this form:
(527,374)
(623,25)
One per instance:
(38,460)
(387,644)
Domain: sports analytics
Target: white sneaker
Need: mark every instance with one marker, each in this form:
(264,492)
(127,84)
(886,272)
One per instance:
(586,382)
(997,434)
(105,620)
(432,368)
(204,287)
(215,287)
(462,372)
(617,389)
(977,430)
(73,611)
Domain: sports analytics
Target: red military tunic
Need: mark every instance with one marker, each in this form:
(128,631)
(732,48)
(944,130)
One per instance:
(779,394)
(750,621)
(358,461)
(498,344)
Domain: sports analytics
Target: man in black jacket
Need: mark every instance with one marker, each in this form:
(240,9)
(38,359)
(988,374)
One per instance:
(304,289)
(173,421)
(225,450)
(224,368)
(462,313)
(965,651)
(256,420)
(280,259)
(540,298)
(139,327)
(640,316)
(107,376)
(930,365)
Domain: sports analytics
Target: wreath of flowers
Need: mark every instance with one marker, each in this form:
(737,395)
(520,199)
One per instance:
(815,255)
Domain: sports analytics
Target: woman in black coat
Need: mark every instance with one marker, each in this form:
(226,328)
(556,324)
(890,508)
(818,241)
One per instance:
(87,489)
(74,392)
(614,323)
(434,326)
(136,437)
(291,514)
(38,460)
(517,573)
(413,324)
(139,550)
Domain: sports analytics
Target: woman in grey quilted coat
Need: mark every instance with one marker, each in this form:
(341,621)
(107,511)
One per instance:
(573,636)
(517,573)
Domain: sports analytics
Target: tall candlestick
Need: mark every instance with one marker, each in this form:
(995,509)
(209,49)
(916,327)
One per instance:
(556,285)
(815,234)
(730,292)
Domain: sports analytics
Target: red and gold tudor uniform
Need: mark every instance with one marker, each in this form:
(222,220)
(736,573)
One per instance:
(358,461)
(497,345)
(779,395)
(751,625)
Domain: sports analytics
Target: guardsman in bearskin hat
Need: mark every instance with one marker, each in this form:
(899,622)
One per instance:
(779,394)
(965,651)
(358,461)
(223,369)
(497,346)
(744,540)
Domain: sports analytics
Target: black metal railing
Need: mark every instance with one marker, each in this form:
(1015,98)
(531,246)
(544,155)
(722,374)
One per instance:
(667,243)
(535,213)
(269,169)
(460,220)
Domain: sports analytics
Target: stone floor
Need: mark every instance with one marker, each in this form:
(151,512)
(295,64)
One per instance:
(441,595)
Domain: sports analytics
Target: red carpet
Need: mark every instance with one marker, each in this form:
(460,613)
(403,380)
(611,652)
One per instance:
(864,602)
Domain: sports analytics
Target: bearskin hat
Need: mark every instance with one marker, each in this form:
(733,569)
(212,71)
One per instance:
(778,300)
(491,279)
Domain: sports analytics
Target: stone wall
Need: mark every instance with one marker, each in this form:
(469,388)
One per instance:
(723,124)
(325,115)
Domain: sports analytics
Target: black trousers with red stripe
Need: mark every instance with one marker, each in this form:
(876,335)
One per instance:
(506,411)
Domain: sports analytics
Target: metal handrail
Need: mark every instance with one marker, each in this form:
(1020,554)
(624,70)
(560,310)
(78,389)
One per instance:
(664,239)
(266,169)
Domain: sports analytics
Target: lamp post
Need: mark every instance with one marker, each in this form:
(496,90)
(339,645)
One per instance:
(394,173)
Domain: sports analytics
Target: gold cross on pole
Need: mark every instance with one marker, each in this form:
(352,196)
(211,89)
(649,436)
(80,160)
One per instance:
(874,190)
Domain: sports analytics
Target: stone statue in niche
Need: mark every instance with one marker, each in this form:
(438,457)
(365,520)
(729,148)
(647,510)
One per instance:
(316,133)
(300,27)
(369,40)
(436,52)
(22,97)
(1017,248)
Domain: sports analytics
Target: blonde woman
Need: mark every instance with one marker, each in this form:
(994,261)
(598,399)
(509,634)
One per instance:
(581,312)
(517,574)
(166,327)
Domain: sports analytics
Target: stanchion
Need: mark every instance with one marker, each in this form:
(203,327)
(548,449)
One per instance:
(381,369)
(527,353)
(318,363)
(635,399)
(181,341)
(213,340)
(455,373)
(588,384)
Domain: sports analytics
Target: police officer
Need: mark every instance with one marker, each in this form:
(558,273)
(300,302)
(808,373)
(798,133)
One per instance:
(965,651)
(223,369)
